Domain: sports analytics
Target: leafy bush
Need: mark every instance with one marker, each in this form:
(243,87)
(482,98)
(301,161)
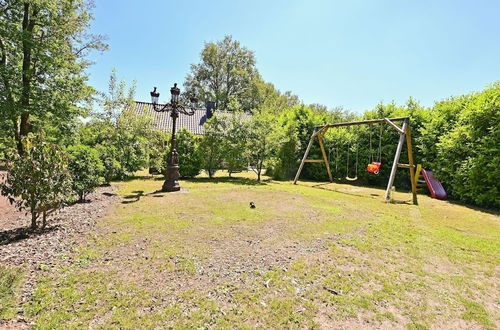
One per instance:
(86,168)
(189,156)
(467,154)
(39,180)
(132,140)
(235,144)
(123,144)
(112,169)
(7,146)
(262,141)
(123,137)
(295,127)
(158,146)
(211,146)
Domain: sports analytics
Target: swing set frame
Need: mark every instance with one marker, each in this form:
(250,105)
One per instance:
(404,134)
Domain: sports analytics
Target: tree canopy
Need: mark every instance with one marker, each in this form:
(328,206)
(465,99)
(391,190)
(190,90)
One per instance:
(43,49)
(226,70)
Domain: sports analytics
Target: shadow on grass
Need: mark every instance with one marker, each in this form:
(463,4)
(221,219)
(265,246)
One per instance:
(320,186)
(138,177)
(473,207)
(235,181)
(19,234)
(138,194)
(370,196)
(134,197)
(395,201)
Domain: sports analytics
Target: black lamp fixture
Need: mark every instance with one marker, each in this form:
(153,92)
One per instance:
(172,173)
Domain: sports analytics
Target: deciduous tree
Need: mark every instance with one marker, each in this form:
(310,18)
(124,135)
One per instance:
(38,181)
(43,48)
(86,169)
(226,70)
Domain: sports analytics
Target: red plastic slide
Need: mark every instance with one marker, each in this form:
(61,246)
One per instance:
(435,187)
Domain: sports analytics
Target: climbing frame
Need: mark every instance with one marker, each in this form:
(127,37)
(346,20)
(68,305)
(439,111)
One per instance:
(404,134)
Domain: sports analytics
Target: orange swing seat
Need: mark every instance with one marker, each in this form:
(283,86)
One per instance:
(374,167)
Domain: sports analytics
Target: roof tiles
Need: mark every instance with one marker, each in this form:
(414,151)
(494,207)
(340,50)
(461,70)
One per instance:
(163,121)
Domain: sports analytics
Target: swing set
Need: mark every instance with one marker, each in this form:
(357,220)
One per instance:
(375,164)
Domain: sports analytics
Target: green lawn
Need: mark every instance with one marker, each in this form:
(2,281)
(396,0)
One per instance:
(9,284)
(309,255)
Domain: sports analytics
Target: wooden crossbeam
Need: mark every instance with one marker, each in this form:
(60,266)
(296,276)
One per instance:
(406,165)
(325,159)
(314,161)
(362,122)
(399,129)
(301,166)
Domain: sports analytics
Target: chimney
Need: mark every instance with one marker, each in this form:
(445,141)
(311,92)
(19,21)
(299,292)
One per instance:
(210,109)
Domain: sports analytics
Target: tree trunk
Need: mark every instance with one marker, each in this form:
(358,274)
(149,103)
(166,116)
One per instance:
(259,171)
(28,26)
(24,129)
(44,219)
(34,216)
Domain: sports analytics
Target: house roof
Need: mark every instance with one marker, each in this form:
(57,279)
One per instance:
(162,120)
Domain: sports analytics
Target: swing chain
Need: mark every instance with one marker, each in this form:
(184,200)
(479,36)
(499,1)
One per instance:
(370,135)
(380,144)
(347,164)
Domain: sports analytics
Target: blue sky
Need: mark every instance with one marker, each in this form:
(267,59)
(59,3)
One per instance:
(348,53)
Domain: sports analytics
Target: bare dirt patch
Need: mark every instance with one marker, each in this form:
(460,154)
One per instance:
(7,211)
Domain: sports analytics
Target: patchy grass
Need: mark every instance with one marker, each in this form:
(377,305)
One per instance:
(307,256)
(10,279)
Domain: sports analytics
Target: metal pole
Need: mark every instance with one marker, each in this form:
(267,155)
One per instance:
(396,160)
(172,175)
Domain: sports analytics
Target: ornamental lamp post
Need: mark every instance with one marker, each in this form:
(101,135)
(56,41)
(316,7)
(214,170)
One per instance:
(172,174)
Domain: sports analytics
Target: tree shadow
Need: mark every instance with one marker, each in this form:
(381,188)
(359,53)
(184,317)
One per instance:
(474,207)
(395,201)
(134,197)
(235,181)
(136,177)
(82,201)
(19,234)
(320,186)
(371,195)
(491,211)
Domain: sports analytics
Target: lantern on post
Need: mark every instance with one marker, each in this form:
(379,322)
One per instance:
(172,173)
